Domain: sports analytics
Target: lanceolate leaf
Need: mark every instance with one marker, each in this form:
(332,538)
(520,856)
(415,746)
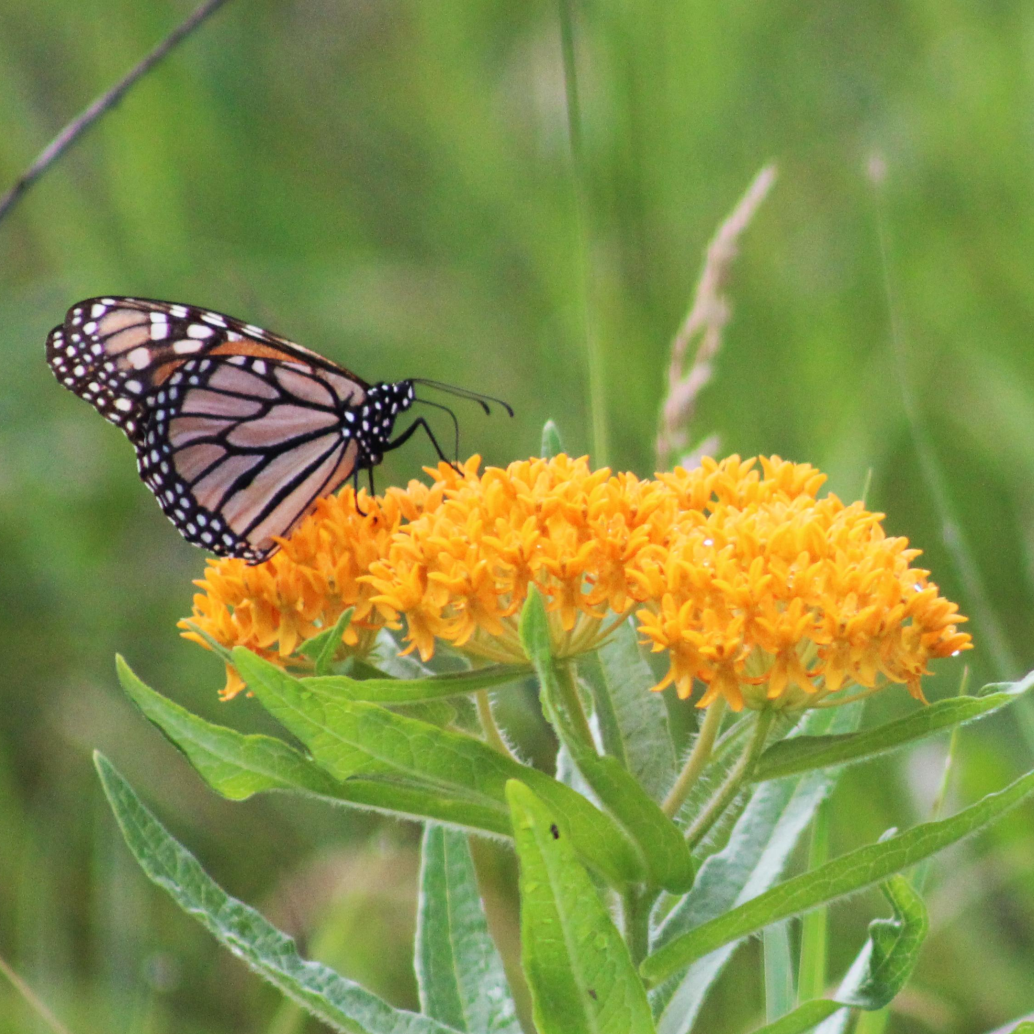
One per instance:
(753,859)
(634,719)
(323,648)
(803,753)
(233,764)
(458,968)
(581,976)
(237,766)
(662,848)
(880,971)
(406,691)
(353,739)
(551,443)
(338,1002)
(845,875)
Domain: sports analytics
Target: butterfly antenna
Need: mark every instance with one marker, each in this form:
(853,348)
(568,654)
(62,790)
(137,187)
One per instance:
(455,423)
(465,393)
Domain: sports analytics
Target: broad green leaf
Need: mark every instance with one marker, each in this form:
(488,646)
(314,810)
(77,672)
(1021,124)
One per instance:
(803,753)
(662,848)
(845,875)
(342,1004)
(633,719)
(458,968)
(323,648)
(236,766)
(551,443)
(581,976)
(753,859)
(882,968)
(350,738)
(437,712)
(417,690)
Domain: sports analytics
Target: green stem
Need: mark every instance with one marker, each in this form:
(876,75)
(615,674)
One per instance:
(635,907)
(567,684)
(493,736)
(740,772)
(594,358)
(698,758)
(922,872)
(814,927)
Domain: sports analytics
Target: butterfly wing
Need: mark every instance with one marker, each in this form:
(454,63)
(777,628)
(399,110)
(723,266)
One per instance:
(113,352)
(238,432)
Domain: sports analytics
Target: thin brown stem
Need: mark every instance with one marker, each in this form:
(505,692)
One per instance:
(31,999)
(68,136)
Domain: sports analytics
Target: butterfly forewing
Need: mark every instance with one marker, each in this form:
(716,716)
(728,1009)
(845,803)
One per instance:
(238,431)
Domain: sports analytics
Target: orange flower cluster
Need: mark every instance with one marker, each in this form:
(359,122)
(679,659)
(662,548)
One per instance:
(460,572)
(766,594)
(773,597)
(303,589)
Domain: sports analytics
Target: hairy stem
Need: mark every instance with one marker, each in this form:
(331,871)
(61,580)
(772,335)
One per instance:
(697,760)
(493,736)
(741,771)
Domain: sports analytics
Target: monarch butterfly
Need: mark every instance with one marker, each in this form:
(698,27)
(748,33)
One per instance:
(237,431)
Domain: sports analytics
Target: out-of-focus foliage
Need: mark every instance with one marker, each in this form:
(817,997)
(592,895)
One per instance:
(390,183)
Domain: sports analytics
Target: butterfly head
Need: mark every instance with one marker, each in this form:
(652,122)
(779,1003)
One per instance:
(374,420)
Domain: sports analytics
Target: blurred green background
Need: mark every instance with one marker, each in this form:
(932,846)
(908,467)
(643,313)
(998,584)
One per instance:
(390,183)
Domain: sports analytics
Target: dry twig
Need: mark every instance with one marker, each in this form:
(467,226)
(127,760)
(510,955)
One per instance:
(102,104)
(705,322)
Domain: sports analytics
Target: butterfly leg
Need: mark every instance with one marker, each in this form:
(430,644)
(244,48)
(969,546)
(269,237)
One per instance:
(355,491)
(421,423)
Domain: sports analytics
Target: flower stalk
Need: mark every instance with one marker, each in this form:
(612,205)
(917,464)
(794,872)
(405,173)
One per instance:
(740,773)
(698,758)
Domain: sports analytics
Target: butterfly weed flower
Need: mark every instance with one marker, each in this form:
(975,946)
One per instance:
(774,598)
(304,588)
(460,572)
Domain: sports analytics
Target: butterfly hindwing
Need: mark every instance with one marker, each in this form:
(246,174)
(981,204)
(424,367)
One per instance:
(239,449)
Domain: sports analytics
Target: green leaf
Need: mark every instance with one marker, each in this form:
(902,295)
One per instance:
(581,976)
(880,971)
(551,444)
(662,849)
(342,1004)
(891,953)
(458,968)
(779,990)
(754,857)
(845,875)
(233,764)
(323,648)
(437,712)
(634,719)
(417,690)
(803,753)
(350,738)
(236,766)
(803,1018)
